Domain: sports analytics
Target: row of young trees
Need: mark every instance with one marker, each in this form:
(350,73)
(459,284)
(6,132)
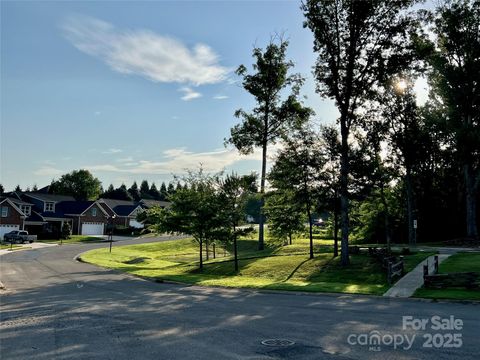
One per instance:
(210,208)
(369,54)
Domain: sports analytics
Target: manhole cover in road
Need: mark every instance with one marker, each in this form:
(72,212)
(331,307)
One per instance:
(278,342)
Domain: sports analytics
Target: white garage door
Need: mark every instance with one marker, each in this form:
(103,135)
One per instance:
(4,228)
(92,228)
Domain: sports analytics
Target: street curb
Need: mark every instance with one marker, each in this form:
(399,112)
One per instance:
(13,251)
(278,292)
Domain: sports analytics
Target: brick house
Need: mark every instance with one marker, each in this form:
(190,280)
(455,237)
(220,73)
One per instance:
(48,212)
(44,214)
(11,217)
(88,217)
(125,211)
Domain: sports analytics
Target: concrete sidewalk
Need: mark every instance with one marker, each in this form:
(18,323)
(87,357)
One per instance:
(34,245)
(406,286)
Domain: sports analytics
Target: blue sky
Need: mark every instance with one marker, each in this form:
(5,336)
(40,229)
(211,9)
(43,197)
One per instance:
(133,90)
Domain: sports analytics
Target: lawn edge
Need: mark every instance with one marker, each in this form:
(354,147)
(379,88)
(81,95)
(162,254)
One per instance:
(259,290)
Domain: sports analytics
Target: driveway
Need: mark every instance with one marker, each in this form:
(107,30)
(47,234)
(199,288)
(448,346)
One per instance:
(57,308)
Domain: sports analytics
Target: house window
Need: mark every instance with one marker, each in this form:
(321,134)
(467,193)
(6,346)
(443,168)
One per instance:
(94,212)
(50,206)
(27,210)
(4,211)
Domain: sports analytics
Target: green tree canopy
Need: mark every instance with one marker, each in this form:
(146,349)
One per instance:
(163,191)
(134,191)
(144,190)
(285,216)
(297,171)
(80,184)
(120,193)
(360,44)
(454,59)
(153,192)
(195,211)
(273,115)
(234,191)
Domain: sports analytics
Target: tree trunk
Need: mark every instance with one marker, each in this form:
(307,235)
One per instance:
(471,202)
(310,224)
(261,243)
(290,238)
(386,219)
(214,253)
(235,252)
(311,237)
(344,170)
(410,209)
(335,226)
(201,255)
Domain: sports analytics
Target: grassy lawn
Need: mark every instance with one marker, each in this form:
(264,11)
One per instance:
(276,267)
(406,245)
(460,262)
(75,239)
(411,261)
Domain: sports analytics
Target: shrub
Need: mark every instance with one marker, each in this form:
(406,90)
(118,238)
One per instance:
(66,231)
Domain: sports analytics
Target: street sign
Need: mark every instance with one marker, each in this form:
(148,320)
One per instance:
(414,224)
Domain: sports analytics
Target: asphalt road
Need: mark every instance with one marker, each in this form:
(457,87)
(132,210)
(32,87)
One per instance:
(58,308)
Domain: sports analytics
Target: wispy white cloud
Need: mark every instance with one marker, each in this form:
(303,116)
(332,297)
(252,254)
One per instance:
(48,162)
(112,151)
(102,167)
(178,160)
(48,171)
(220,97)
(190,94)
(158,58)
(97,113)
(125,159)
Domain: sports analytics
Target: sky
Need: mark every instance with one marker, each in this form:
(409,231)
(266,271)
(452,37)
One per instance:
(134,90)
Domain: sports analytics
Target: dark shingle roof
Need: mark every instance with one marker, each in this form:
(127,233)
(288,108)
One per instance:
(49,197)
(34,217)
(114,202)
(73,207)
(124,210)
(56,214)
(120,207)
(19,202)
(106,208)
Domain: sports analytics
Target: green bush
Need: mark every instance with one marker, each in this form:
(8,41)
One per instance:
(66,231)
